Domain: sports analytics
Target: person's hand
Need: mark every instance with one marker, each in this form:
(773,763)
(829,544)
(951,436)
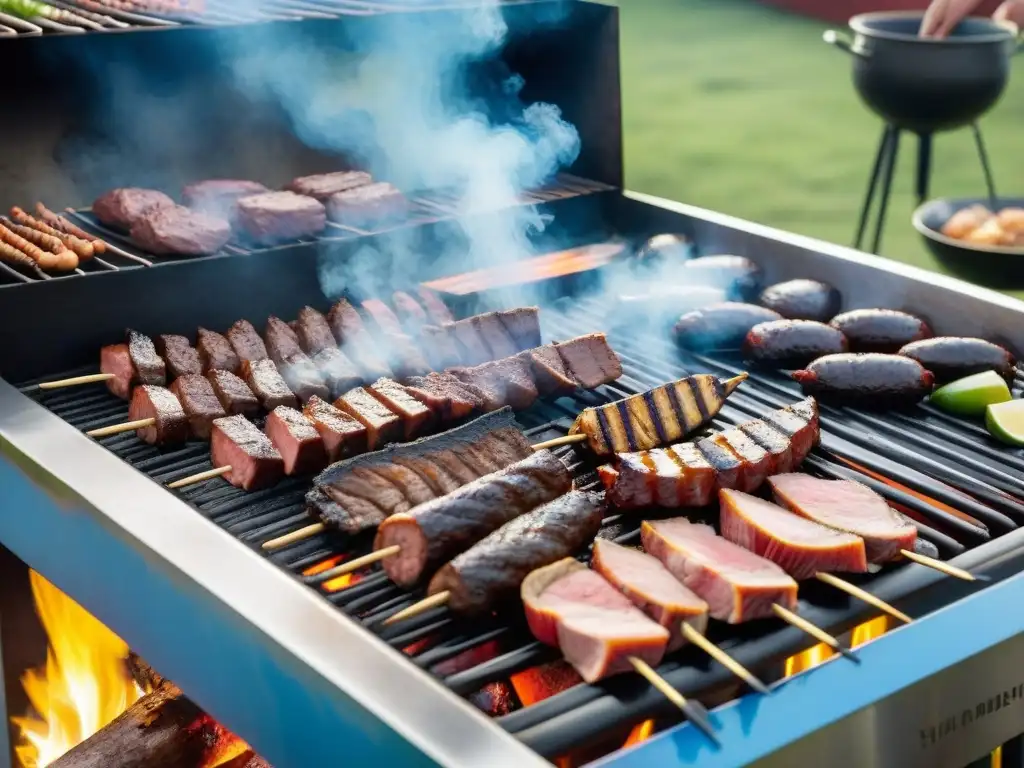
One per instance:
(943,15)
(1011,10)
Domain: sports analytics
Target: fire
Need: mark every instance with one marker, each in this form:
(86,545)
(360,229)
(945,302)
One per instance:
(812,657)
(84,685)
(337,583)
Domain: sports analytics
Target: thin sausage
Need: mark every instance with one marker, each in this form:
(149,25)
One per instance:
(83,248)
(34,236)
(42,258)
(12,255)
(59,222)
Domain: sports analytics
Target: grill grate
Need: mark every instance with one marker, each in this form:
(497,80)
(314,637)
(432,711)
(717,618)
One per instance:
(920,450)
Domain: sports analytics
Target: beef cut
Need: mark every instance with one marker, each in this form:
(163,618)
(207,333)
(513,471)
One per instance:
(135,362)
(255,462)
(179,355)
(216,352)
(498,341)
(267,384)
(472,348)
(323,185)
(439,347)
(276,217)
(416,417)
(345,321)
(282,341)
(368,207)
(233,393)
(218,197)
(180,230)
(297,440)
(382,425)
(343,436)
(338,372)
(590,359)
(523,325)
(246,341)
(122,207)
(199,402)
(313,331)
(151,402)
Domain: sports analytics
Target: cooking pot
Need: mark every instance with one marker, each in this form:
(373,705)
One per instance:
(927,85)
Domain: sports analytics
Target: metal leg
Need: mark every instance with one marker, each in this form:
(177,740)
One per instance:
(869,198)
(924,165)
(983,156)
(890,167)
(1013,753)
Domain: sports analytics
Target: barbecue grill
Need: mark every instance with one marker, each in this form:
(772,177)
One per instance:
(301,666)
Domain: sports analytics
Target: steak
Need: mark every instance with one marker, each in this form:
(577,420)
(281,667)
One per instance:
(338,372)
(416,417)
(282,341)
(179,355)
(216,352)
(246,341)
(505,382)
(297,440)
(255,462)
(233,393)
(676,476)
(343,436)
(322,185)
(268,385)
(276,217)
(313,331)
(180,230)
(303,377)
(368,207)
(122,207)
(199,402)
(157,403)
(548,371)
(218,197)
(445,395)
(135,362)
(345,322)
(489,328)
(590,360)
(523,325)
(382,426)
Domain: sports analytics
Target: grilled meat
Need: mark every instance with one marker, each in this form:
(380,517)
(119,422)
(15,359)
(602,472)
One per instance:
(305,378)
(313,331)
(151,402)
(449,398)
(880,330)
(440,347)
(344,513)
(275,217)
(246,341)
(386,320)
(497,340)
(866,380)
(473,350)
(368,207)
(135,362)
(179,356)
(792,343)
(255,462)
(405,356)
(218,197)
(323,185)
(122,207)
(416,417)
(802,300)
(409,311)
(738,276)
(361,351)
(800,423)
(523,325)
(267,384)
(595,626)
(180,230)
(720,326)
(644,580)
(676,476)
(437,310)
(435,532)
(199,402)
(345,322)
(67,227)
(382,426)
(548,370)
(844,505)
(656,417)
(799,546)
(216,352)
(590,359)
(343,436)
(503,382)
(233,393)
(951,357)
(281,341)
(737,585)
(337,371)
(297,440)
(738,461)
(83,248)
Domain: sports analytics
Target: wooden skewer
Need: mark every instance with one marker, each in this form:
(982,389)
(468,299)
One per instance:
(855,591)
(200,477)
(938,565)
(359,562)
(76,381)
(291,538)
(557,441)
(724,659)
(693,714)
(117,429)
(431,601)
(816,632)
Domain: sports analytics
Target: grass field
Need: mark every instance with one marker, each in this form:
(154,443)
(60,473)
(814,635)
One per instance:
(741,108)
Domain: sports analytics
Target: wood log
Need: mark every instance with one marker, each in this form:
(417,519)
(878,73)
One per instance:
(163,728)
(246,760)
(143,674)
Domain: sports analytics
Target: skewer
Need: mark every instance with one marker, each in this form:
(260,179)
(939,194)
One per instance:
(557,441)
(938,565)
(117,429)
(113,248)
(864,595)
(661,685)
(431,601)
(814,631)
(76,381)
(291,538)
(359,562)
(200,477)
(724,659)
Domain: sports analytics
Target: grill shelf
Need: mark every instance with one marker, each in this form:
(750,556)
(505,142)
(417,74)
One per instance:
(979,497)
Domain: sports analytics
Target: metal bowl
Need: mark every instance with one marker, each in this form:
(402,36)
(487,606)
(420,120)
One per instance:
(927,85)
(992,265)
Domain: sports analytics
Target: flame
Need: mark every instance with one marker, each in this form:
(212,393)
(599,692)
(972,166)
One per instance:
(640,733)
(335,584)
(226,748)
(812,657)
(84,685)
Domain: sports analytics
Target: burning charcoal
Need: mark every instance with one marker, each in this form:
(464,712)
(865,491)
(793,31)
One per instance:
(323,185)
(179,355)
(255,462)
(343,436)
(296,438)
(122,207)
(180,230)
(199,402)
(368,207)
(149,402)
(277,217)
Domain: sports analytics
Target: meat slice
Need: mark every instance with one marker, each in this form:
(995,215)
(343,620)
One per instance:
(506,445)
(361,352)
(644,580)
(737,585)
(199,402)
(297,440)
(303,377)
(409,311)
(439,347)
(180,230)
(322,185)
(412,485)
(276,217)
(344,513)
(345,322)
(246,341)
(523,325)
(133,363)
(255,462)
(313,331)
(364,483)
(337,371)
(472,348)
(405,356)
(775,444)
(218,197)
(343,436)
(799,422)
(267,384)
(799,546)
(382,426)
(178,354)
(382,315)
(548,371)
(490,328)
(727,465)
(848,506)
(216,352)
(504,382)
(752,461)
(444,394)
(368,207)
(437,310)
(233,393)
(151,402)
(595,626)
(415,416)
(434,532)
(676,476)
(121,207)
(591,360)
(282,341)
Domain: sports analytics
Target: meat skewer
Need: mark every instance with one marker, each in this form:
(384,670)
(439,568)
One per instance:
(83,248)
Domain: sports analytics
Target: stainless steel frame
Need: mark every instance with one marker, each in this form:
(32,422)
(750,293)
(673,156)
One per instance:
(304,686)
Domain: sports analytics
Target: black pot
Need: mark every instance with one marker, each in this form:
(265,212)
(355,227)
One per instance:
(994,266)
(922,84)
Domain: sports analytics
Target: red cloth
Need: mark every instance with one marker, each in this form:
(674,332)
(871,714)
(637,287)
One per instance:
(839,11)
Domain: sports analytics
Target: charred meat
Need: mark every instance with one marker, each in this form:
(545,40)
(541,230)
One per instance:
(267,384)
(342,435)
(720,326)
(216,352)
(952,357)
(384,318)
(802,300)
(590,360)
(382,426)
(313,331)
(549,371)
(135,362)
(792,343)
(523,325)
(880,330)
(170,425)
(199,402)
(868,380)
(416,417)
(296,438)
(255,462)
(246,341)
(497,340)
(233,393)
(179,355)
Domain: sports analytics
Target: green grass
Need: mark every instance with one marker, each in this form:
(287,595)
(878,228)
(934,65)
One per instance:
(741,108)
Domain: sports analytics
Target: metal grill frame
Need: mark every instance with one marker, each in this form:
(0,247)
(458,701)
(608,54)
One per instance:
(276,664)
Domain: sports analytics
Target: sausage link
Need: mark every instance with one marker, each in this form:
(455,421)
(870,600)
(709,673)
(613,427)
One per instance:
(12,255)
(42,258)
(81,247)
(34,236)
(64,225)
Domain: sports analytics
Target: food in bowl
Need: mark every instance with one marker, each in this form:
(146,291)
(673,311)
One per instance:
(979,226)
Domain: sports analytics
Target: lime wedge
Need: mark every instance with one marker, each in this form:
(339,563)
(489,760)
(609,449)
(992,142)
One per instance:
(1005,421)
(971,395)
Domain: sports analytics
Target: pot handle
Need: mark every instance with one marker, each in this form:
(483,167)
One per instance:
(832,37)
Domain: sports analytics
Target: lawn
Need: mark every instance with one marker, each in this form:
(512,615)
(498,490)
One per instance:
(741,108)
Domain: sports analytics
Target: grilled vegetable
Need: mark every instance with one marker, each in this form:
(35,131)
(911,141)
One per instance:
(869,380)
(720,326)
(738,276)
(656,417)
(953,357)
(880,330)
(802,300)
(791,343)
(970,396)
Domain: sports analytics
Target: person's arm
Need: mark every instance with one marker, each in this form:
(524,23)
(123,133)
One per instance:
(943,15)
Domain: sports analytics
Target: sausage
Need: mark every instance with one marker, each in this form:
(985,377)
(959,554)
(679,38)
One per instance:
(802,300)
(720,326)
(64,225)
(495,567)
(12,255)
(880,330)
(869,380)
(432,533)
(792,343)
(953,357)
(81,247)
(34,236)
(43,258)
(739,277)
